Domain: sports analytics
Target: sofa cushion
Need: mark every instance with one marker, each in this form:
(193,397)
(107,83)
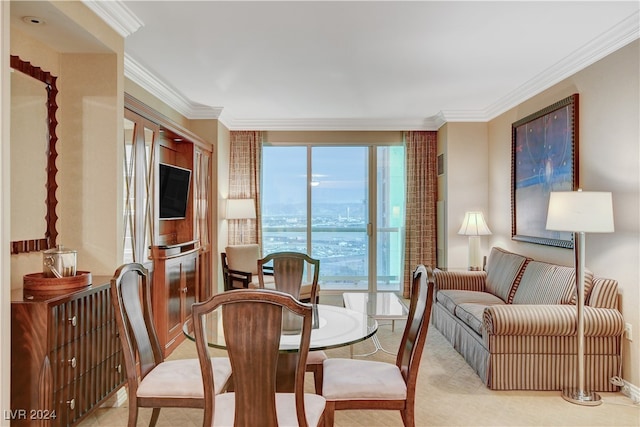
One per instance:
(544,283)
(451,298)
(604,293)
(503,271)
(471,314)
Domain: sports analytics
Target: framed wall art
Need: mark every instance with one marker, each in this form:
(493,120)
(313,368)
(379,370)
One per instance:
(544,153)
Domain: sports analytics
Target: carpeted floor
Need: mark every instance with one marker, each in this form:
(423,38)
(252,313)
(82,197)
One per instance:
(449,393)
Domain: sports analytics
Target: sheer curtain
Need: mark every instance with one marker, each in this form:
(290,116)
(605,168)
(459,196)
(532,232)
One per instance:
(244,183)
(421,194)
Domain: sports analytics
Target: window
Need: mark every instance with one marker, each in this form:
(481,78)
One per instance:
(324,200)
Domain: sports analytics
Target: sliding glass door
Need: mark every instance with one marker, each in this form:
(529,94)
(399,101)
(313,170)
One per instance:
(324,201)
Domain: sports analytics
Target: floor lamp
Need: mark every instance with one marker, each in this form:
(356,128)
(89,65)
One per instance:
(580,212)
(241,209)
(474,226)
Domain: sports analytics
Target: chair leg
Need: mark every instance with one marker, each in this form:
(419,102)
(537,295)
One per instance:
(317,378)
(329,412)
(154,417)
(408,417)
(133,414)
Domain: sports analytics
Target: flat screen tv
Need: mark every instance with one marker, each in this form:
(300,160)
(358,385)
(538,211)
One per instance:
(174,191)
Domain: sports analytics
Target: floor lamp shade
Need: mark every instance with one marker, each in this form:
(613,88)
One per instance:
(474,226)
(241,209)
(580,212)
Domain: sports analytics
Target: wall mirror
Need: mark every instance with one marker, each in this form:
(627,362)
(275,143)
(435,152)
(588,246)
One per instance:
(33,157)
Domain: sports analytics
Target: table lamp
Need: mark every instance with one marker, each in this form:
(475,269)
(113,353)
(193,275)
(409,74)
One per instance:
(474,226)
(580,212)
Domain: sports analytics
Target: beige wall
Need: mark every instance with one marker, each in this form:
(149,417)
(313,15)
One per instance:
(90,150)
(464,186)
(609,160)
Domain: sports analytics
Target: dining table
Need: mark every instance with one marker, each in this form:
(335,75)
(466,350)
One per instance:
(333,327)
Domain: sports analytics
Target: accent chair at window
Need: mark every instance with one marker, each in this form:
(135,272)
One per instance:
(240,267)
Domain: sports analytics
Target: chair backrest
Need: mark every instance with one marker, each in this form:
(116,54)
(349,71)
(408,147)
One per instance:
(288,270)
(243,257)
(415,331)
(131,300)
(260,312)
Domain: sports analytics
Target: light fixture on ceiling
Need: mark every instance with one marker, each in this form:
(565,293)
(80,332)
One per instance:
(33,20)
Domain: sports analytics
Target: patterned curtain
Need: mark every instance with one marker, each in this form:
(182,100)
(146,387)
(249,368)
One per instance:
(244,183)
(420,221)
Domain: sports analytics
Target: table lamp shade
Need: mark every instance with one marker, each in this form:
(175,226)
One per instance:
(580,211)
(241,209)
(474,225)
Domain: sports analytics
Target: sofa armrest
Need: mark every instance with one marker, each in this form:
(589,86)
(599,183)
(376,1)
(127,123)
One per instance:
(460,280)
(547,319)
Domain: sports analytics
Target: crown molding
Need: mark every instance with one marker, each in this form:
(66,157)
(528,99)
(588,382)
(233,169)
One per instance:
(117,15)
(625,32)
(615,38)
(167,94)
(334,124)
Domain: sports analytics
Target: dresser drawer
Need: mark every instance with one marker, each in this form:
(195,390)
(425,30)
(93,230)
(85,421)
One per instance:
(65,324)
(65,364)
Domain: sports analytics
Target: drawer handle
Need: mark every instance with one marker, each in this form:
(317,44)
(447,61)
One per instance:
(119,368)
(73,320)
(185,290)
(72,404)
(73,362)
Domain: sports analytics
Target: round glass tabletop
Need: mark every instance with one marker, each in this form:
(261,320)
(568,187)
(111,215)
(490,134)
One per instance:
(333,327)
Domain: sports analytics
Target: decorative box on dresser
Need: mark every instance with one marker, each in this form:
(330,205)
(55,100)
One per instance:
(66,356)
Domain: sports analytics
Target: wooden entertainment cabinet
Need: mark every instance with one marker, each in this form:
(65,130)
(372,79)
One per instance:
(66,357)
(175,289)
(180,247)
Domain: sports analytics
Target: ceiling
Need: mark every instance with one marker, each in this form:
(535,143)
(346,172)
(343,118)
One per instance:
(365,65)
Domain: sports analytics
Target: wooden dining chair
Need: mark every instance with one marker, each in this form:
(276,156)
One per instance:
(254,350)
(152,381)
(367,384)
(288,270)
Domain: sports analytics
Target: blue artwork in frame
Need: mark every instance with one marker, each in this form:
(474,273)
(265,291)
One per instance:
(544,150)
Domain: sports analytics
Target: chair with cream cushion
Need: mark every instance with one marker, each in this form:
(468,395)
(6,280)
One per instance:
(254,400)
(240,267)
(159,383)
(368,384)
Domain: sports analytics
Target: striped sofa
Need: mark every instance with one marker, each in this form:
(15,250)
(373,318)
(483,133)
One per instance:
(515,323)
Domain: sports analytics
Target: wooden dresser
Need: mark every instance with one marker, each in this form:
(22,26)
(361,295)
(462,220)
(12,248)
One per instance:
(66,356)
